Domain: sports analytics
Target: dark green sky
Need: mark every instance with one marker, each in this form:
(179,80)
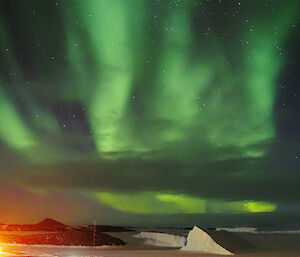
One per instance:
(140,111)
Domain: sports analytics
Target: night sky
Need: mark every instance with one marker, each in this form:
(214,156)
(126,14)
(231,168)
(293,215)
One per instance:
(161,112)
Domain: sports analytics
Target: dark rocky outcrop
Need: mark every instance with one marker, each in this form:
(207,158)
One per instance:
(53,225)
(57,233)
(45,225)
(72,237)
(102,228)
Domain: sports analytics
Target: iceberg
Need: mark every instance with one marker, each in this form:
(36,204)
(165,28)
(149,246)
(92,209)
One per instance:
(162,239)
(239,230)
(200,241)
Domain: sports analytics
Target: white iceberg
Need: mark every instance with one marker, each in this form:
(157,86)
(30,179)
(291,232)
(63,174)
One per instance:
(199,241)
(239,230)
(280,232)
(162,239)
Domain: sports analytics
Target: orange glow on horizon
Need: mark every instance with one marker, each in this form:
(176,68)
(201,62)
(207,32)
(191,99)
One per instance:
(1,252)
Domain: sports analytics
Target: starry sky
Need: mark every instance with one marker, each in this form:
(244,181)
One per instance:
(150,112)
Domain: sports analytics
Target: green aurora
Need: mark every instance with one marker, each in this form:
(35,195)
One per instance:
(161,88)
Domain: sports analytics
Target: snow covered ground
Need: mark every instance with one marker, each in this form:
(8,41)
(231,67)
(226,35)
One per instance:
(51,250)
(65,251)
